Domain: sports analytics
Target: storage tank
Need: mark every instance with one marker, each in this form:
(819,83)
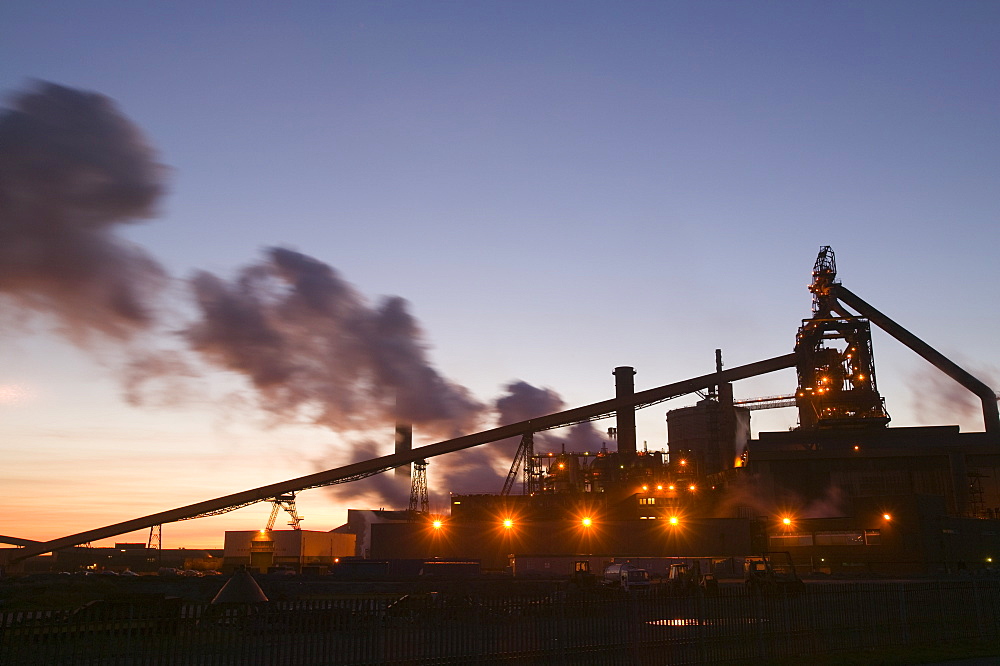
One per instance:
(715,434)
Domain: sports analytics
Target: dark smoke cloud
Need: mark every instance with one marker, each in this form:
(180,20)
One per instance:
(384,490)
(311,345)
(524,401)
(72,167)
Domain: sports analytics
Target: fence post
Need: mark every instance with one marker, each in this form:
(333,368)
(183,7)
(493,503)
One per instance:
(903,618)
(979,614)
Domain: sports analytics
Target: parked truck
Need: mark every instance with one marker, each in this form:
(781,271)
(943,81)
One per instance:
(684,579)
(772,572)
(626,576)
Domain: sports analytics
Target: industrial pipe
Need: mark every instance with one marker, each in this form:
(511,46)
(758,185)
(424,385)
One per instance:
(991,415)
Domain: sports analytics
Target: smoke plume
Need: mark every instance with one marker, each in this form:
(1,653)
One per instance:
(72,167)
(312,347)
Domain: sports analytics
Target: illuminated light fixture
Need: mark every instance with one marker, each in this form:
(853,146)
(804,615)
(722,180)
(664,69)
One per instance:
(670,487)
(857,448)
(263,531)
(508,523)
(786,521)
(691,487)
(861,378)
(645,488)
(437,524)
(989,560)
(659,487)
(674,520)
(587,522)
(562,465)
(887,516)
(684,462)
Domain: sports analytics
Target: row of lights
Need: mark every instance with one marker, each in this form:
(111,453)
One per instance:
(586,521)
(671,486)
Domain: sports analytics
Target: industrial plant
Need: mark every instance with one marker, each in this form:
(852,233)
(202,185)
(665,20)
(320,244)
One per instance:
(843,493)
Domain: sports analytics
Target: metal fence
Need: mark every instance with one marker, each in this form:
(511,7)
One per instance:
(562,627)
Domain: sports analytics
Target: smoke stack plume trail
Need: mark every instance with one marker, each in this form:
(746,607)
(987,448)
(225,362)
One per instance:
(72,167)
(312,347)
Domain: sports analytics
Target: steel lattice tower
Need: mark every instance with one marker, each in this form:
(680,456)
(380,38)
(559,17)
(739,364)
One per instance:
(418,488)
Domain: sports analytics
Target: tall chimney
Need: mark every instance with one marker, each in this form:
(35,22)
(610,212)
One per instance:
(625,388)
(404,444)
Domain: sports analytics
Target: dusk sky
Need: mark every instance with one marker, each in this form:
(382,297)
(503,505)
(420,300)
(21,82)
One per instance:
(283,221)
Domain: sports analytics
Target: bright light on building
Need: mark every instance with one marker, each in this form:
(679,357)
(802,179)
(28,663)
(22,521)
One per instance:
(437,524)
(674,520)
(786,521)
(508,523)
(587,522)
(670,487)
(887,516)
(691,487)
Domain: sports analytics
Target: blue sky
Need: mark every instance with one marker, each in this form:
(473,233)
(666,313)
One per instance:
(556,188)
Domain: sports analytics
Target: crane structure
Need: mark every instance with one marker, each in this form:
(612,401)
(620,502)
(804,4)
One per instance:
(155,537)
(286,502)
(523,459)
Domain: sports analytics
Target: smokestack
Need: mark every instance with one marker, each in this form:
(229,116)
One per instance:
(624,389)
(404,444)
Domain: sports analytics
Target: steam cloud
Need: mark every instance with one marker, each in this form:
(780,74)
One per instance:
(71,169)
